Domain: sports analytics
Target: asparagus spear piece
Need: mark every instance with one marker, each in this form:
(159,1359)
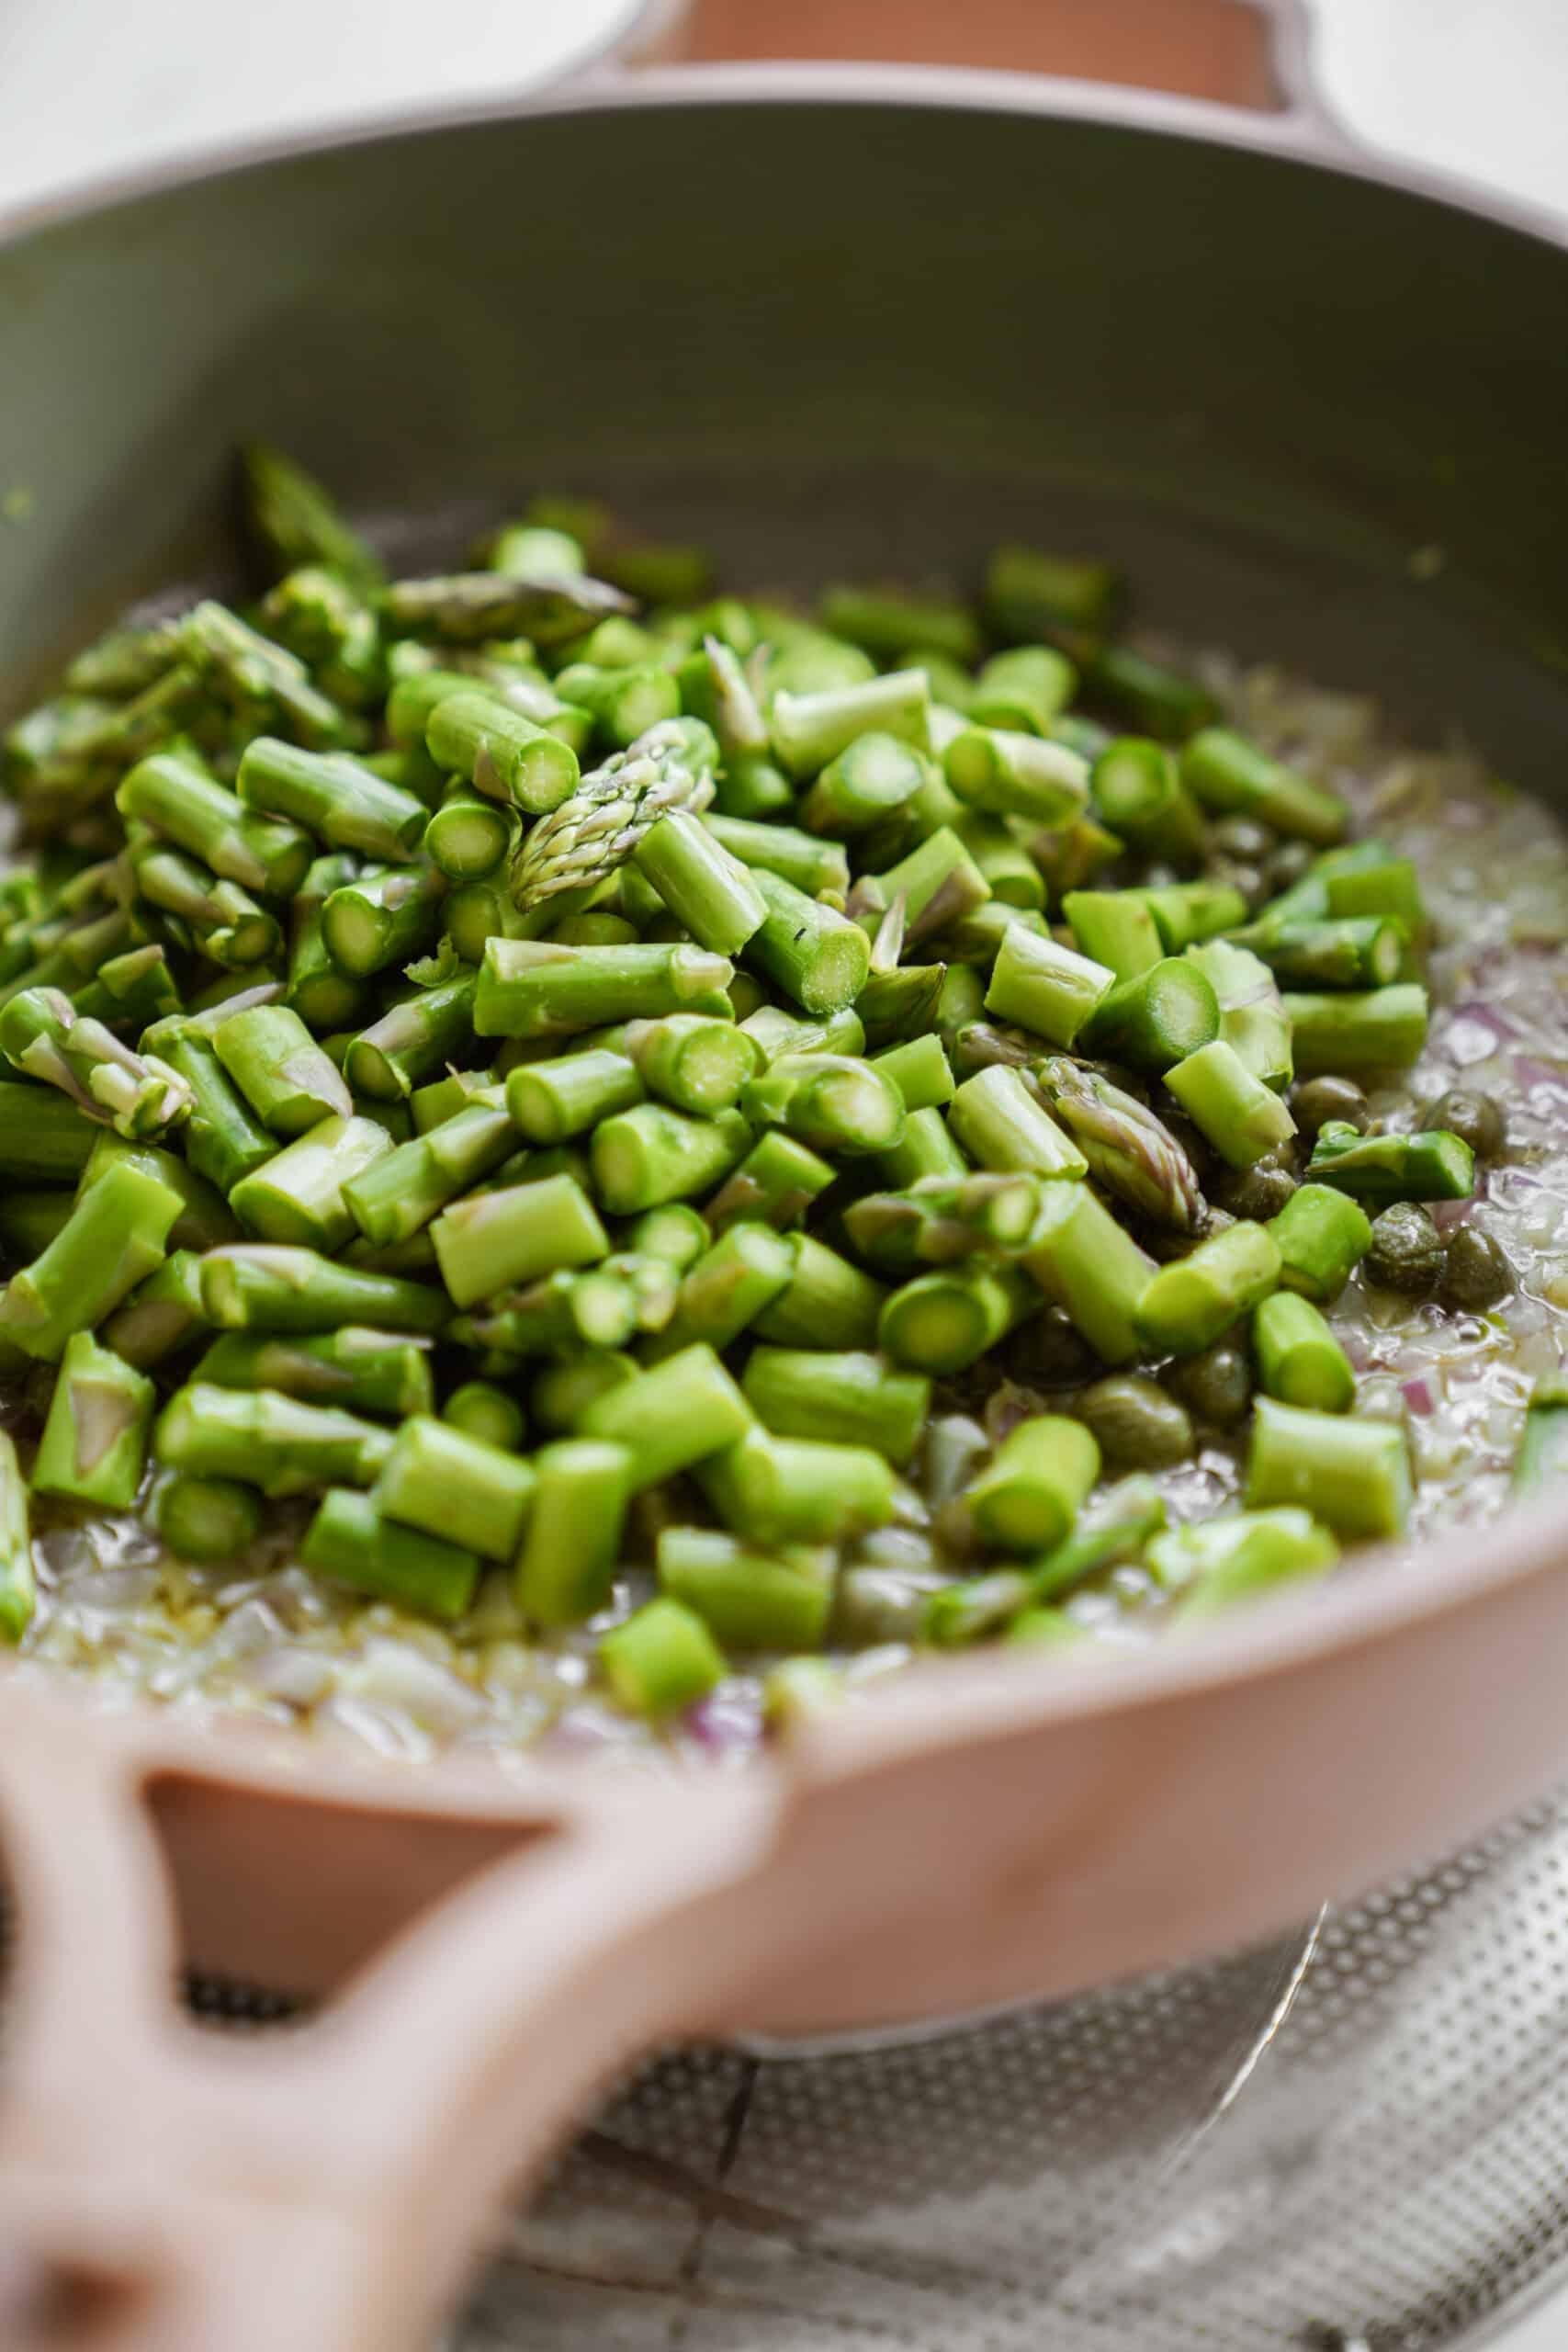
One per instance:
(374,920)
(483,1411)
(1115,929)
(337,798)
(943,1321)
(349,1541)
(117,1233)
(772,1489)
(1030,593)
(530,988)
(205,1219)
(671,1416)
(1045,988)
(644,1156)
(279,1068)
(1037,1482)
(1155,1021)
(300,1195)
(1237,1114)
(747,1596)
(1090,1266)
(504,755)
(1128,1149)
(412,1039)
(137,1095)
(1191,1301)
(229,926)
(1376,1029)
(295,520)
(1025,690)
(446,1483)
(1137,791)
(826,1303)
(1431,1165)
(254,1286)
(848,1397)
(365,1371)
(1253,1021)
(95,1440)
(693,1061)
(1002,1124)
(44,1137)
(818,958)
(223,1141)
(817,868)
(491,1241)
(162,1315)
(1148,696)
(1355,952)
(323,620)
(267,1439)
(919,1069)
(869,781)
(210,1520)
(1354,1474)
(467,608)
(939,883)
(594,833)
(829,1101)
(810,729)
(1228,1559)
(1232,776)
(775,1182)
(660,1659)
(1009,775)
(710,893)
(723,1291)
(567,1565)
(1321,1234)
(550,1100)
(1299,1358)
(16,1589)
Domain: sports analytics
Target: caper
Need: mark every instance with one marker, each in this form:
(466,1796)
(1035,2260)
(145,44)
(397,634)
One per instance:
(1318,1100)
(1216,1386)
(1477,1274)
(1137,1425)
(1046,1352)
(1260,1191)
(1408,1253)
(1474,1118)
(1287,865)
(1241,837)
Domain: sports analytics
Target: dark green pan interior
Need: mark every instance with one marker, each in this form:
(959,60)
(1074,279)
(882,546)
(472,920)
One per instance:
(833,335)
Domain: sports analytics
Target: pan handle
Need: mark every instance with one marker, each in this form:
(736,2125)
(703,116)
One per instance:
(164,2188)
(1200,55)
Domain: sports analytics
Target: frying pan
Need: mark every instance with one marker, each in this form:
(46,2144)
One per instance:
(825,318)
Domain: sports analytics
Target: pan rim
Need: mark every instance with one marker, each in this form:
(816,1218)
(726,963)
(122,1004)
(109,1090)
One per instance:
(1286,135)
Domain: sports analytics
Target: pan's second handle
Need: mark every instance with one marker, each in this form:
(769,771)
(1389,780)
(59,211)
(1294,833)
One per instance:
(167,2190)
(1251,53)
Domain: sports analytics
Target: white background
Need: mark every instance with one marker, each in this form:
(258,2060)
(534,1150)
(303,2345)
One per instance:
(90,87)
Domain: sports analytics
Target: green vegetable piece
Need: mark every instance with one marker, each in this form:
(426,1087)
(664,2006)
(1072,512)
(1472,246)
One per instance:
(278,1444)
(567,1565)
(1233,777)
(117,1234)
(1193,1301)
(661,1659)
(1240,1116)
(1427,1165)
(441,1480)
(1155,1021)
(671,1416)
(364,1370)
(1299,1358)
(349,1541)
(210,1520)
(1037,1482)
(490,1240)
(94,1441)
(1321,1235)
(1220,1560)
(1353,1475)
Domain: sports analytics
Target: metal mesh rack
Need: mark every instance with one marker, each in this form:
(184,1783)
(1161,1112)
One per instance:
(1351,2142)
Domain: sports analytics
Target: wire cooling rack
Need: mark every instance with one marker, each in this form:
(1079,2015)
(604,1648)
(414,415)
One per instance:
(1351,2142)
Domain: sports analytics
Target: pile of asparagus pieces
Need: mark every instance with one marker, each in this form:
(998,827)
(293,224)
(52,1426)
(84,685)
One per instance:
(719,1027)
